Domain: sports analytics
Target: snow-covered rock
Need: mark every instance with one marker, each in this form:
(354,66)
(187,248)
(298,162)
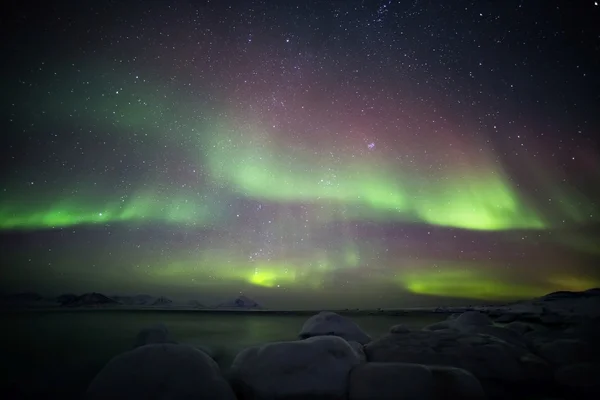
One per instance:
(519,327)
(399,329)
(437,326)
(241,302)
(382,381)
(462,322)
(558,308)
(330,323)
(359,349)
(390,381)
(475,322)
(456,383)
(565,352)
(490,359)
(472,318)
(160,371)
(580,378)
(317,367)
(154,334)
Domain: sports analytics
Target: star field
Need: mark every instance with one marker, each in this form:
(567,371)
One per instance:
(308,153)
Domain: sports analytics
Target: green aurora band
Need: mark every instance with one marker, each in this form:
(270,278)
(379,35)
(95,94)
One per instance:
(246,161)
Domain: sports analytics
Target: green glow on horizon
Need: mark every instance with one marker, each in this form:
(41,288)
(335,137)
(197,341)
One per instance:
(469,284)
(144,205)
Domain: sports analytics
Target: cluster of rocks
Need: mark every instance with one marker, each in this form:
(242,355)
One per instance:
(468,356)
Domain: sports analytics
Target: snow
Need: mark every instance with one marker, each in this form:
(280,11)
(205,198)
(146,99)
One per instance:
(317,367)
(160,371)
(406,381)
(330,323)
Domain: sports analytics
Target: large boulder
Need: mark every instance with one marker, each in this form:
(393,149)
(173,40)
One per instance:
(383,381)
(399,329)
(154,334)
(315,368)
(474,322)
(580,379)
(329,323)
(472,318)
(462,322)
(494,362)
(507,335)
(359,349)
(160,371)
(565,352)
(519,327)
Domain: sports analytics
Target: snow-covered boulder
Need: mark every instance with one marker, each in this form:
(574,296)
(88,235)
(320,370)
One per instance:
(359,349)
(580,379)
(154,334)
(472,318)
(505,318)
(565,352)
(474,322)
(491,360)
(519,327)
(399,329)
(160,371)
(330,323)
(507,335)
(437,326)
(456,383)
(383,381)
(317,367)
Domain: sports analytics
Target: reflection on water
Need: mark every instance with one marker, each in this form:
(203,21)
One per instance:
(58,353)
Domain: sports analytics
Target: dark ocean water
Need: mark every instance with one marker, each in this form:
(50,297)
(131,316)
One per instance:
(56,354)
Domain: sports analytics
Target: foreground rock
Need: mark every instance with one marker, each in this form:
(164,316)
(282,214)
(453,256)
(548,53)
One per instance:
(315,368)
(581,380)
(328,323)
(160,371)
(383,381)
(502,368)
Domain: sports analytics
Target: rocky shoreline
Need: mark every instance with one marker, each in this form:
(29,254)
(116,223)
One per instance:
(546,354)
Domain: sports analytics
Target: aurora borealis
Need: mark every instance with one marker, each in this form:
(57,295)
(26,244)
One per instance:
(307,153)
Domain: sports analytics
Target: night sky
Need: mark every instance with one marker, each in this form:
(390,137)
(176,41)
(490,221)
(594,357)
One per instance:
(305,153)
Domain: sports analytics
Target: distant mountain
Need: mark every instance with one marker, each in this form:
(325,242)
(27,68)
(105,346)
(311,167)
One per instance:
(241,302)
(90,299)
(137,300)
(66,298)
(162,301)
(195,304)
(567,295)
